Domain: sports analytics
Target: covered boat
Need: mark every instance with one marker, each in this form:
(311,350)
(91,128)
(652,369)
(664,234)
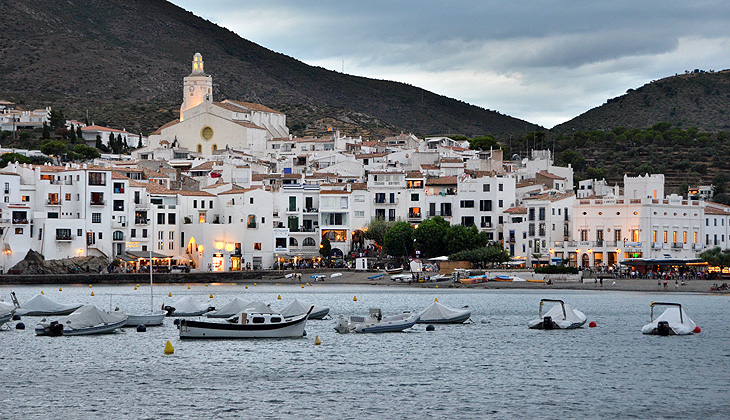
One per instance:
(297,308)
(246,325)
(229,309)
(560,316)
(437,313)
(673,321)
(187,306)
(86,320)
(40,305)
(6,312)
(376,323)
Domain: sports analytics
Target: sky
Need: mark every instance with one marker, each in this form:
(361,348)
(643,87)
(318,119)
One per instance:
(545,62)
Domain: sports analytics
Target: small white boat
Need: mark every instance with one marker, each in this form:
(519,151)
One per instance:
(333,275)
(6,312)
(298,308)
(437,313)
(152,319)
(40,305)
(318,277)
(86,320)
(187,306)
(394,270)
(673,321)
(440,277)
(375,323)
(246,325)
(401,278)
(290,275)
(560,316)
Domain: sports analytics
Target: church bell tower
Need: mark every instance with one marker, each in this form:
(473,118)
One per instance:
(197,87)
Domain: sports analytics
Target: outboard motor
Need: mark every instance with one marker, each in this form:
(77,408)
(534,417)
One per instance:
(169,309)
(662,328)
(547,323)
(211,308)
(55,329)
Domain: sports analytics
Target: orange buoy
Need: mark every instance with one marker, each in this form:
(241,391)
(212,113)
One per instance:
(697,330)
(593,324)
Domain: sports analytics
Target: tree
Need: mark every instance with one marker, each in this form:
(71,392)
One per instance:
(56,119)
(79,134)
(398,241)
(460,238)
(376,230)
(112,145)
(54,148)
(490,254)
(325,247)
(483,143)
(430,236)
(72,133)
(98,142)
(13,157)
(85,152)
(46,131)
(717,257)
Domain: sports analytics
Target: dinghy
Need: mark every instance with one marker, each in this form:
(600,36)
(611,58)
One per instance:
(673,321)
(394,270)
(437,313)
(376,276)
(152,318)
(297,308)
(375,323)
(40,305)
(560,316)
(246,325)
(333,275)
(187,306)
(6,312)
(86,320)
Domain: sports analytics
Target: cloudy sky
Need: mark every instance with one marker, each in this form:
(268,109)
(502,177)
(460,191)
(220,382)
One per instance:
(542,61)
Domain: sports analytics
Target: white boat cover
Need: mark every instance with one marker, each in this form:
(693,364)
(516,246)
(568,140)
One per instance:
(671,315)
(89,316)
(42,305)
(258,307)
(437,312)
(571,319)
(188,305)
(6,308)
(229,309)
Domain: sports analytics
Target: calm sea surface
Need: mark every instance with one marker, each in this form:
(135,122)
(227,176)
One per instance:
(493,368)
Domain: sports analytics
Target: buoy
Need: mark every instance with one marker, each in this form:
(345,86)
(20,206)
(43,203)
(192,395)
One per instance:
(42,292)
(484,321)
(302,286)
(169,349)
(279,297)
(92,293)
(176,321)
(254,284)
(16,317)
(430,327)
(354,298)
(135,287)
(19,326)
(60,289)
(697,330)
(141,328)
(206,284)
(246,286)
(308,284)
(304,333)
(89,286)
(317,341)
(436,300)
(188,287)
(437,286)
(592,324)
(169,294)
(211,295)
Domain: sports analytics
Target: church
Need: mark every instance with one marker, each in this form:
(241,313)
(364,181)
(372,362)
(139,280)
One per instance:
(205,126)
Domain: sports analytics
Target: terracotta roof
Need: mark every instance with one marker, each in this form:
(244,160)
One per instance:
(428,166)
(526,183)
(216,185)
(445,180)
(370,155)
(386,172)
(370,143)
(116,175)
(717,211)
(516,210)
(550,197)
(100,128)
(240,190)
(206,166)
(335,192)
(414,174)
(155,188)
(292,176)
(251,106)
(547,174)
(194,193)
(164,126)
(451,160)
(249,125)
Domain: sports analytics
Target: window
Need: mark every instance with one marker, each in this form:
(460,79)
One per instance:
(53,215)
(118,188)
(160,218)
(171,218)
(95,217)
(97,178)
(665,236)
(465,204)
(583,235)
(467,220)
(67,197)
(25,199)
(171,235)
(251,224)
(293,242)
(501,187)
(541,213)
(18,231)
(485,205)
(195,204)
(118,235)
(118,205)
(210,206)
(201,217)
(531,214)
(133,233)
(414,197)
(501,203)
(100,235)
(202,204)
(257,246)
(79,232)
(486,187)
(97,199)
(309,242)
(250,200)
(391,215)
(359,214)
(63,234)
(359,198)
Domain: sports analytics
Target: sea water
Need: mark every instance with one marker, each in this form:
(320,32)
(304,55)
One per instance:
(493,367)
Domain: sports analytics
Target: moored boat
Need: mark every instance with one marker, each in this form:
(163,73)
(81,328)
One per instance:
(298,308)
(375,323)
(246,325)
(437,313)
(560,316)
(673,321)
(40,305)
(6,312)
(86,320)
(187,306)
(394,270)
(151,319)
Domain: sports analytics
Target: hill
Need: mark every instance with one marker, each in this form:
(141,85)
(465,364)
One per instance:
(695,99)
(123,61)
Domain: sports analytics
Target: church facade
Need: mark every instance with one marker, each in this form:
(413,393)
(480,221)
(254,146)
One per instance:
(206,126)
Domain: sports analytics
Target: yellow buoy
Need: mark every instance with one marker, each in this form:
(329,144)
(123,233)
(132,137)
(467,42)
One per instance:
(89,286)
(92,293)
(188,287)
(302,286)
(60,290)
(169,349)
(308,284)
(317,341)
(254,284)
(354,298)
(437,286)
(436,300)
(279,297)
(135,287)
(42,292)
(206,284)
(246,286)
(211,295)
(169,294)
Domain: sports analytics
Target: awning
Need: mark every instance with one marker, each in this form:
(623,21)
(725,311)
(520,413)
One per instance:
(145,255)
(441,258)
(126,258)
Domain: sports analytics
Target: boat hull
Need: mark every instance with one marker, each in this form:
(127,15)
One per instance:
(385,327)
(202,329)
(152,319)
(46,313)
(459,319)
(5,318)
(99,329)
(319,314)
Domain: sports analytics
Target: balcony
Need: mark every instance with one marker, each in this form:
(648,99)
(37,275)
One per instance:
(656,245)
(677,245)
(697,247)
(416,216)
(20,221)
(384,201)
(97,203)
(53,202)
(64,237)
(292,209)
(310,210)
(486,225)
(439,213)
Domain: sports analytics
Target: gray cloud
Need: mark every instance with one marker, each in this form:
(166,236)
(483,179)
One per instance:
(545,62)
